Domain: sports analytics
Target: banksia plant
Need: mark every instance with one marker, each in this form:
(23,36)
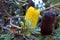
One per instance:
(48,23)
(30,3)
(32,15)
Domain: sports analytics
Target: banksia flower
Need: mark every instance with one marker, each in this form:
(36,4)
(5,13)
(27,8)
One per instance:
(32,15)
(48,23)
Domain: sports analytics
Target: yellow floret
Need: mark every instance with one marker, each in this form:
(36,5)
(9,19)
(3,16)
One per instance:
(32,15)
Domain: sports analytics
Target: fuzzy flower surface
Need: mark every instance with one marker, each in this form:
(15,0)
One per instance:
(32,15)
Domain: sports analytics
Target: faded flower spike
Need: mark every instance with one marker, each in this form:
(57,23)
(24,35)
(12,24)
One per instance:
(32,15)
(48,23)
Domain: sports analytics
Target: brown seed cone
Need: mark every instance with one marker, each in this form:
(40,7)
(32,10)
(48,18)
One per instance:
(48,23)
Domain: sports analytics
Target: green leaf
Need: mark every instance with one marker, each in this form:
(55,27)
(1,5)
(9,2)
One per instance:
(6,36)
(35,31)
(53,1)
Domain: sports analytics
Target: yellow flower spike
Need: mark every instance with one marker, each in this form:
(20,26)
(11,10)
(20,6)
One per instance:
(32,15)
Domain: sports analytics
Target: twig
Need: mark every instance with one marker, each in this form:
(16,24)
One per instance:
(14,25)
(25,4)
(57,8)
(52,6)
(18,17)
(6,12)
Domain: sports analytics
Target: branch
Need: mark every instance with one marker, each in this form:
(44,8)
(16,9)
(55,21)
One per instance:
(52,6)
(6,12)
(57,8)
(14,25)
(18,17)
